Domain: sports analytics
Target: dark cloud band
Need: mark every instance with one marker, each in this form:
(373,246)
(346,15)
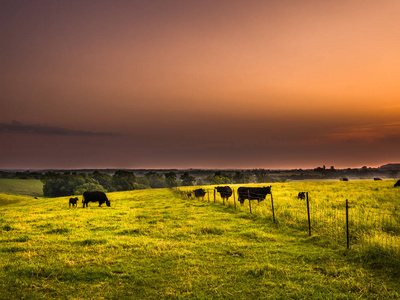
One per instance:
(18,127)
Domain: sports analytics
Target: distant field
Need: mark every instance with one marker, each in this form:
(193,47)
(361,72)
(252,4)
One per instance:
(28,187)
(153,244)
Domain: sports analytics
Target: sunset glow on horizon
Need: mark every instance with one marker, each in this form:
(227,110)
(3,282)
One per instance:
(199,84)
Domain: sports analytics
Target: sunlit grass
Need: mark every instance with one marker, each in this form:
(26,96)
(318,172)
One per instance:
(153,244)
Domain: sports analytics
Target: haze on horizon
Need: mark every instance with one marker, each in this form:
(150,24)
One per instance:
(199,84)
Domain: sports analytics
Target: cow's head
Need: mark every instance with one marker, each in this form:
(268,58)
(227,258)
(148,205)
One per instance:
(108,203)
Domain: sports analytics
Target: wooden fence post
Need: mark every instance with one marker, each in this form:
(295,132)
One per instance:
(234,197)
(248,194)
(347,224)
(208,195)
(214,195)
(273,212)
(308,215)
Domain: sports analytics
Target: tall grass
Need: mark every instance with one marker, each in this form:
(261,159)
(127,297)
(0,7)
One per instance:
(153,244)
(374,212)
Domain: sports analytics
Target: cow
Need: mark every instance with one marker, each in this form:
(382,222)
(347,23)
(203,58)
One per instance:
(253,193)
(224,191)
(73,201)
(345,179)
(95,197)
(377,178)
(397,183)
(301,195)
(199,193)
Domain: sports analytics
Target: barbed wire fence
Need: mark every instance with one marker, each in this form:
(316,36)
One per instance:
(343,222)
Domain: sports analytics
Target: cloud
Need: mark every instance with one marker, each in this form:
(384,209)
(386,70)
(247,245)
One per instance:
(18,127)
(368,133)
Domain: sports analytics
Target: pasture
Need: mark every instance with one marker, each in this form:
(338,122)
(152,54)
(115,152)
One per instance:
(28,187)
(154,244)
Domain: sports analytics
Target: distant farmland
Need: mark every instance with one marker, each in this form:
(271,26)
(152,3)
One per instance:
(28,187)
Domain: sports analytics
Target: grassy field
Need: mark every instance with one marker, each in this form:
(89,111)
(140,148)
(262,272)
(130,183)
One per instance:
(28,187)
(153,244)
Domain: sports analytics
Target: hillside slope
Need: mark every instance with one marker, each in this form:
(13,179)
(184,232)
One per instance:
(152,244)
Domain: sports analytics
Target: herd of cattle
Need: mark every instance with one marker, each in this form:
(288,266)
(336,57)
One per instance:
(249,193)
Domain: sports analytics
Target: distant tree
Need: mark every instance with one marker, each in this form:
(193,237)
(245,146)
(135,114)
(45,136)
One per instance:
(123,180)
(170,179)
(219,178)
(105,180)
(156,180)
(143,181)
(239,177)
(89,187)
(262,175)
(59,185)
(187,180)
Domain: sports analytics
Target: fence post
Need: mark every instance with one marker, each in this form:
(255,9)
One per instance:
(248,194)
(308,215)
(214,195)
(273,211)
(208,195)
(234,197)
(347,224)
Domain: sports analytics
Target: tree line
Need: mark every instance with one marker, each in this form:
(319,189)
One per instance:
(66,183)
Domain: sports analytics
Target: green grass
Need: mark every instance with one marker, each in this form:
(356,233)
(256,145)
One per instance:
(28,187)
(152,244)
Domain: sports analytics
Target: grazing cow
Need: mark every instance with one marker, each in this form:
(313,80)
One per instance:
(199,193)
(73,201)
(95,197)
(253,193)
(301,195)
(224,191)
(397,183)
(377,178)
(345,179)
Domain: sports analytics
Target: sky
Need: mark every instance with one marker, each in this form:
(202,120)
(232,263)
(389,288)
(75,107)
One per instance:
(216,84)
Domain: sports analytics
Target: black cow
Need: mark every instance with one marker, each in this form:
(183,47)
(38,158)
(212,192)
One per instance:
(73,201)
(377,178)
(397,183)
(199,193)
(95,197)
(224,191)
(253,193)
(345,179)
(301,195)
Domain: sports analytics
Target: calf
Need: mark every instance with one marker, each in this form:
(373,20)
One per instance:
(301,195)
(73,201)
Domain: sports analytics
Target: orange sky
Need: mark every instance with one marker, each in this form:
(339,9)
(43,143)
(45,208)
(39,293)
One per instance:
(212,84)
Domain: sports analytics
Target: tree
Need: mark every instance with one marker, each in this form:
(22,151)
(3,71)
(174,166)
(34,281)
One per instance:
(262,175)
(156,180)
(123,180)
(89,187)
(170,178)
(59,185)
(187,180)
(103,179)
(239,177)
